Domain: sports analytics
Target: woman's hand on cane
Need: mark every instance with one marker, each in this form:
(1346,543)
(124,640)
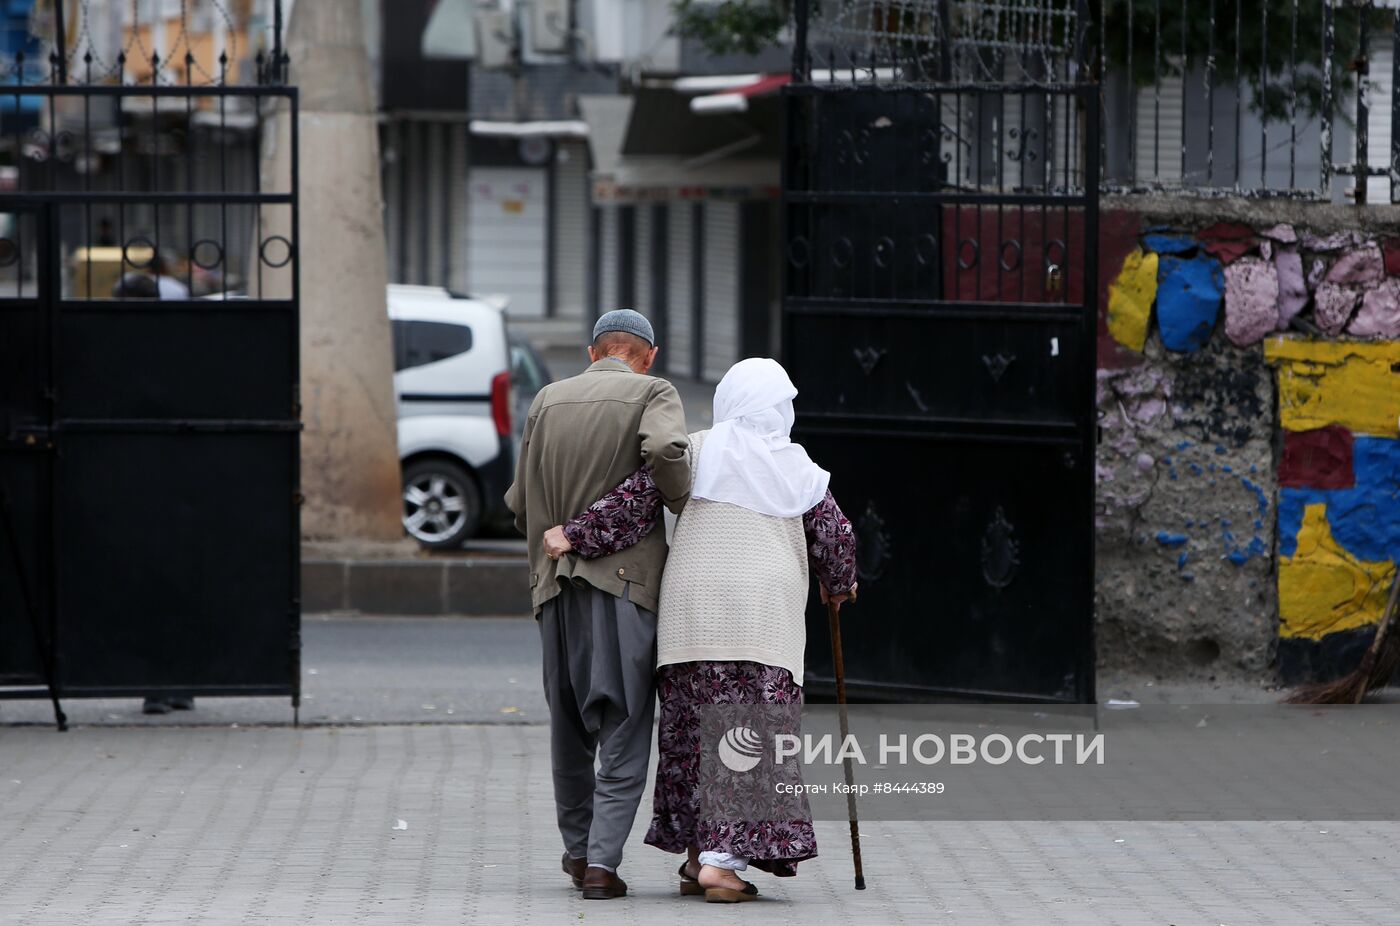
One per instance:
(838,600)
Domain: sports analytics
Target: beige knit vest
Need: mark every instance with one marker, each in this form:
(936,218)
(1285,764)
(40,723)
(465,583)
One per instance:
(735,586)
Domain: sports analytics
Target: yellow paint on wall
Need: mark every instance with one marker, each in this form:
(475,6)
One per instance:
(1130,299)
(1322,588)
(1348,383)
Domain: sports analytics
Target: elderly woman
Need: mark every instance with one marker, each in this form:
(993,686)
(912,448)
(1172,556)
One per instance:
(731,627)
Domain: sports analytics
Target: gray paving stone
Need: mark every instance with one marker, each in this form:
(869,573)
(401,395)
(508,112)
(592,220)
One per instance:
(270,825)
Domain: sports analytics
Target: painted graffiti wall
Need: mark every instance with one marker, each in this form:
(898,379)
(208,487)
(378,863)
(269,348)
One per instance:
(1338,498)
(1249,458)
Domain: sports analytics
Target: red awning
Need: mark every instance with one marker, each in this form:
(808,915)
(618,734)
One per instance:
(736,100)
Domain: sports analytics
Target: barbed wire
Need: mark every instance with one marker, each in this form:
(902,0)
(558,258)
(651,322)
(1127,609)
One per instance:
(122,57)
(224,57)
(986,40)
(85,48)
(89,56)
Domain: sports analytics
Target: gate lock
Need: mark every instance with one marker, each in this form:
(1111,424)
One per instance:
(1053,279)
(32,435)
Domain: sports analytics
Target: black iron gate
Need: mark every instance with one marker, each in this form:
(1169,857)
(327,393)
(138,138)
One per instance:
(940,326)
(149,411)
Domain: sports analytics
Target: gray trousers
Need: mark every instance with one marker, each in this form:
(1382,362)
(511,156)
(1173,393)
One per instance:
(599,680)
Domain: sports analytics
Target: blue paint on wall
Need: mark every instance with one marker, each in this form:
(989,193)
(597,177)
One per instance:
(1365,519)
(1260,498)
(1188,301)
(1241,555)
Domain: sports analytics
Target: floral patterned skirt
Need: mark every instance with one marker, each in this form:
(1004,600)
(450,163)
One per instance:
(775,846)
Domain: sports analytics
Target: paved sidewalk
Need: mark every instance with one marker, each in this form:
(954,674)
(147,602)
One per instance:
(355,670)
(389,670)
(276,825)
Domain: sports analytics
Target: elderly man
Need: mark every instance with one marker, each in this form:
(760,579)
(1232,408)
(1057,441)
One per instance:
(597,617)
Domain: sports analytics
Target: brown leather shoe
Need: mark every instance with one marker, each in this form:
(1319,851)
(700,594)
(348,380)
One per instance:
(601,884)
(574,868)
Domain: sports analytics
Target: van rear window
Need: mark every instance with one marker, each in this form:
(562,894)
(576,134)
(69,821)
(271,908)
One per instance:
(418,343)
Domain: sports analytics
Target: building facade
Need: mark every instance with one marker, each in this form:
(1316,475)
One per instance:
(565,170)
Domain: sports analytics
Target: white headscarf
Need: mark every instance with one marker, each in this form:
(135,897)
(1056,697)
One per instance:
(748,459)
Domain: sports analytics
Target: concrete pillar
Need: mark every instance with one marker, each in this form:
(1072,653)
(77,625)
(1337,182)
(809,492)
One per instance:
(349,466)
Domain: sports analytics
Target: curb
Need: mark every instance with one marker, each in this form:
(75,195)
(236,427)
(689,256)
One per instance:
(476,587)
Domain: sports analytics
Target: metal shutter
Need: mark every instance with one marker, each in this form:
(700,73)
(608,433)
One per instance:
(1157,146)
(607,259)
(721,321)
(390,139)
(641,259)
(434,217)
(675,343)
(457,181)
(571,230)
(506,236)
(411,203)
(1382,53)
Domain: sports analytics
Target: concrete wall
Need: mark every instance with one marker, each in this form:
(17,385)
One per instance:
(1249,466)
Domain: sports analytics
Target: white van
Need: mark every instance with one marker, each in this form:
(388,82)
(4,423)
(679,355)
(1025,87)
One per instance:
(456,405)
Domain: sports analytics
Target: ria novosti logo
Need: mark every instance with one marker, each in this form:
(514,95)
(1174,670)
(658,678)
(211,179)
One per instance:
(740,749)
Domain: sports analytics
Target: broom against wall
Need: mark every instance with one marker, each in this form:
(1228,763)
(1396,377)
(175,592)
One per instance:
(1376,669)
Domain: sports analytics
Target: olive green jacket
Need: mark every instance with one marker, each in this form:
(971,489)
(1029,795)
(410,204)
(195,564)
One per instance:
(583,436)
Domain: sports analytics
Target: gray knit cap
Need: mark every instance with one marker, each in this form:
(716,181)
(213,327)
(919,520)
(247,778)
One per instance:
(627,321)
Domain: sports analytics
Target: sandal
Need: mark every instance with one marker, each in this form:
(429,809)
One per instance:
(730,895)
(689,886)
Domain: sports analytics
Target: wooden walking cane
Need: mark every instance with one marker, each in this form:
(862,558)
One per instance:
(833,616)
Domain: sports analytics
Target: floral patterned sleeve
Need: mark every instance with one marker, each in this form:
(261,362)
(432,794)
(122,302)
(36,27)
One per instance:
(831,545)
(617,520)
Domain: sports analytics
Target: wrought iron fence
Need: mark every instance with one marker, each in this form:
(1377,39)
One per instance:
(998,75)
(150,154)
(1250,97)
(928,41)
(1261,98)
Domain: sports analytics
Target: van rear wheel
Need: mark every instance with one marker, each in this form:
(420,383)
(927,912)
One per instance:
(441,503)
